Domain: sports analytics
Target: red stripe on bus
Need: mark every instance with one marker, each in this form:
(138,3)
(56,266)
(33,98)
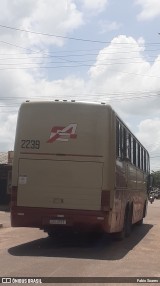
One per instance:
(40,217)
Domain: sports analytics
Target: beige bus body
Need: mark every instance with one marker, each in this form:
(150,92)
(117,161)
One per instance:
(65,171)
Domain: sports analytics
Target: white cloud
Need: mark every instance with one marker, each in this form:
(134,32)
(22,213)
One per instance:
(120,75)
(149,135)
(51,17)
(7,130)
(106,26)
(150,9)
(122,72)
(95,5)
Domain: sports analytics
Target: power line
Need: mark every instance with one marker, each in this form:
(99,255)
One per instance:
(17,46)
(62,56)
(52,35)
(81,61)
(145,93)
(108,98)
(76,66)
(70,38)
(50,53)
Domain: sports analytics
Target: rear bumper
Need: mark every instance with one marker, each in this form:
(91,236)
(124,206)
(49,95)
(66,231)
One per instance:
(44,219)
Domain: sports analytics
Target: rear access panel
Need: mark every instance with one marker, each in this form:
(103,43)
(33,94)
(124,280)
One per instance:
(60,184)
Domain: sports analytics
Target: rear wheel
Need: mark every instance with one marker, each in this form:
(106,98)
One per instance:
(127,225)
(140,222)
(60,234)
(51,234)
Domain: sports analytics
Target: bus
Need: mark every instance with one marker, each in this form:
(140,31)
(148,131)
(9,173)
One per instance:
(77,167)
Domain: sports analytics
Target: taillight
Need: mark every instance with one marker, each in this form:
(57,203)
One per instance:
(14,196)
(105,200)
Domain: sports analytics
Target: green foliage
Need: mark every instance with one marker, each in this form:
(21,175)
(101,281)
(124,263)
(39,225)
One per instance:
(156,178)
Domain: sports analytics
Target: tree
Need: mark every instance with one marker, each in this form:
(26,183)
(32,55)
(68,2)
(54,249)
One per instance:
(156,178)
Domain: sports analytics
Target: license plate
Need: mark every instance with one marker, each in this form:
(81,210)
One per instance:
(57,221)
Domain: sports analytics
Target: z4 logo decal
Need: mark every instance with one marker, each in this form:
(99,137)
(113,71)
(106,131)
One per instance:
(59,133)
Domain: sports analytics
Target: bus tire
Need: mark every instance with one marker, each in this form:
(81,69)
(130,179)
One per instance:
(129,221)
(127,225)
(140,222)
(51,234)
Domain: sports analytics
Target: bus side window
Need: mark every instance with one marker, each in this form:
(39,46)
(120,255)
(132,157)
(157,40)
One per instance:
(141,158)
(117,139)
(148,163)
(121,140)
(138,155)
(144,160)
(131,149)
(134,152)
(124,143)
(128,145)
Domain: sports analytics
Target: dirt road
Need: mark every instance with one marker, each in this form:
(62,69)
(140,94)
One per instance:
(29,252)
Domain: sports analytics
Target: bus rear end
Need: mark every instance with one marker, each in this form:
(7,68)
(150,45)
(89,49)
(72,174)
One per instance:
(61,155)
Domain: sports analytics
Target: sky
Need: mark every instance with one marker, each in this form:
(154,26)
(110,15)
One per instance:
(87,50)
